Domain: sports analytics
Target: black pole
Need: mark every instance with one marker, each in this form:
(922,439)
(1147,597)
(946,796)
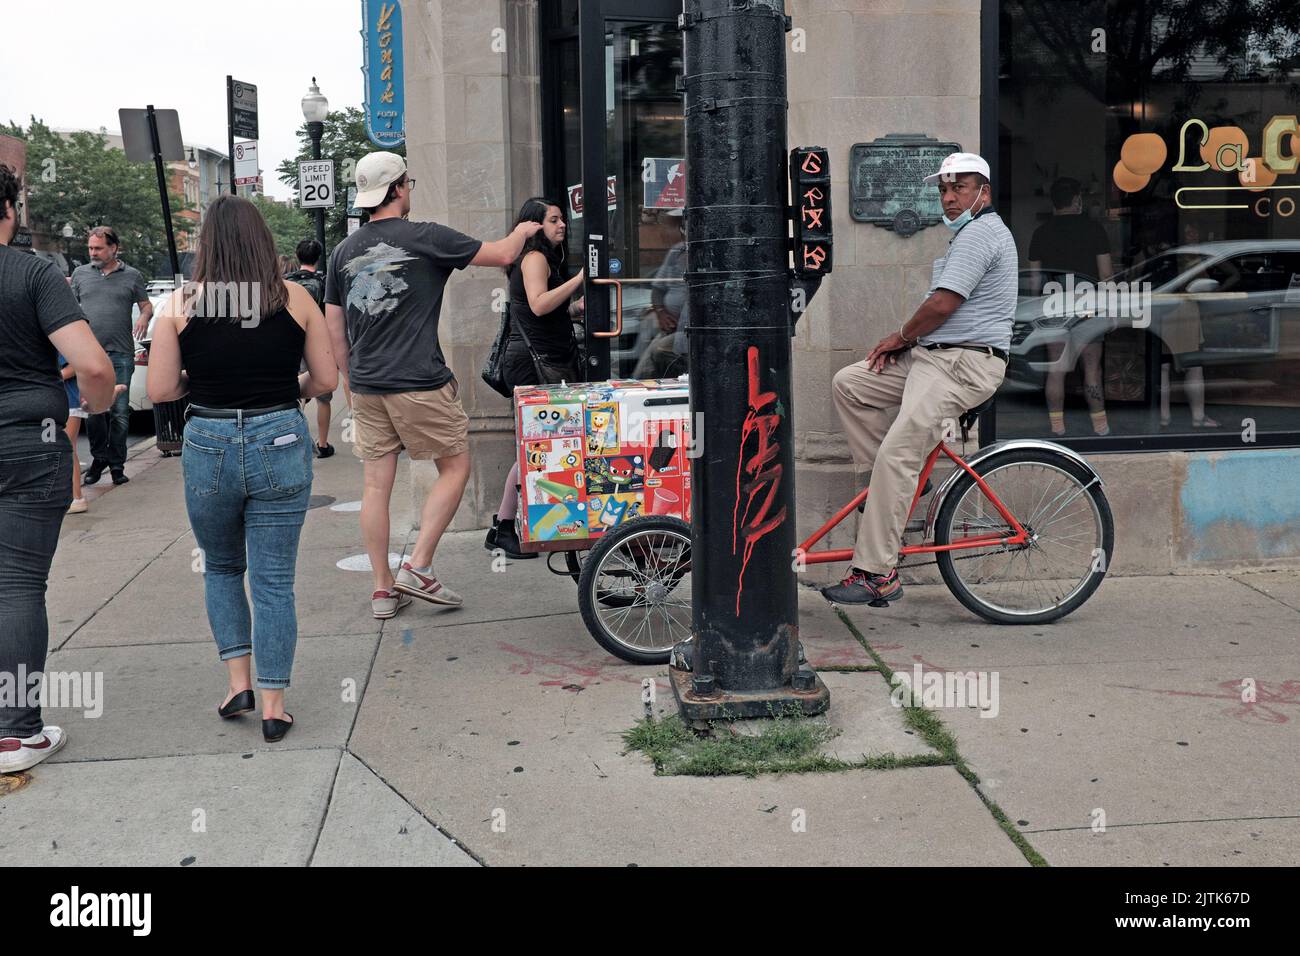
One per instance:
(230,127)
(162,191)
(744,656)
(315,130)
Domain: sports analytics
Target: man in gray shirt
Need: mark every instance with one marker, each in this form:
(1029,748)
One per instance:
(107,288)
(950,356)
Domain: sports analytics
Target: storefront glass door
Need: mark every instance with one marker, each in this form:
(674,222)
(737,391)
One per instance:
(633,157)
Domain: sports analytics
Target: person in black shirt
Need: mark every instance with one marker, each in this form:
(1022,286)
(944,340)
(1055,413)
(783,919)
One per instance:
(308,276)
(1067,243)
(541,349)
(39,319)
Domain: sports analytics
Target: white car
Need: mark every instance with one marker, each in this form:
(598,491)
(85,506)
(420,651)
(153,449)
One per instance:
(138,394)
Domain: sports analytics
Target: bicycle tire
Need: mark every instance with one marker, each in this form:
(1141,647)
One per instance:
(589,599)
(946,560)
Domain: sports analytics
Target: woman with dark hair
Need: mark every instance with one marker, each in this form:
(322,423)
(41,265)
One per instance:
(239,332)
(541,349)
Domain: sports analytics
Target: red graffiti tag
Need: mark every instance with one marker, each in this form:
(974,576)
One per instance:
(763,471)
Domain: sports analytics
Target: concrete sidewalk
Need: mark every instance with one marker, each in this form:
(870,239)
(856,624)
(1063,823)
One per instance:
(491,733)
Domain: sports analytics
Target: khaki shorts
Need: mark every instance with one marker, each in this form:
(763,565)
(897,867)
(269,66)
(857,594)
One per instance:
(430,424)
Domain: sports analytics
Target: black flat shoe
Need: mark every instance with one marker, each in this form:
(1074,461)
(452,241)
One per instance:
(120,478)
(325,450)
(92,474)
(275,729)
(241,703)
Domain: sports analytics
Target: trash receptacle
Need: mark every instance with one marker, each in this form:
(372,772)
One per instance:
(169,425)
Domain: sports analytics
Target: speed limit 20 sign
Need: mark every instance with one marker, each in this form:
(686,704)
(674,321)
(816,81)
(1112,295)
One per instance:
(315,183)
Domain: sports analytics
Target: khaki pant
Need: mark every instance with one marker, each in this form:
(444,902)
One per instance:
(892,420)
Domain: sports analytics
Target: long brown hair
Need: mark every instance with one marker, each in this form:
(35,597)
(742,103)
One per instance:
(235,245)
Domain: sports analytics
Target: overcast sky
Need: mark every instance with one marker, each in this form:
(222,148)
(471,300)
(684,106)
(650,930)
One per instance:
(74,63)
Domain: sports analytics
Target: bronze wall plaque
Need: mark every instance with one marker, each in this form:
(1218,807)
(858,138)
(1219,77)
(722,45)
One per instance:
(885,181)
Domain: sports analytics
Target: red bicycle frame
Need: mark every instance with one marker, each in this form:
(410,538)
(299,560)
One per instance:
(1021,536)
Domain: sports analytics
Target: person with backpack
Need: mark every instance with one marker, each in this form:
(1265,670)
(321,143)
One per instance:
(308,276)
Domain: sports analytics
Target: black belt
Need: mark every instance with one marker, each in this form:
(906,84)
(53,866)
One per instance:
(202,411)
(986,349)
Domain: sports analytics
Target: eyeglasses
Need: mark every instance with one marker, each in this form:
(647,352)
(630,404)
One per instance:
(410,184)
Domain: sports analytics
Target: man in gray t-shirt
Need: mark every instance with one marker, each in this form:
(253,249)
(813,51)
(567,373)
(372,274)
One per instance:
(950,356)
(107,290)
(383,301)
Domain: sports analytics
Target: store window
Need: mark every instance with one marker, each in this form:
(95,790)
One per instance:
(1147,167)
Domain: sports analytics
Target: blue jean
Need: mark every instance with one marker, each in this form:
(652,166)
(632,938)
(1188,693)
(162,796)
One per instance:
(35,491)
(247,483)
(107,432)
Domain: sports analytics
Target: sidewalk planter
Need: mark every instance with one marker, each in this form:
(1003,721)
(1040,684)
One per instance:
(592,456)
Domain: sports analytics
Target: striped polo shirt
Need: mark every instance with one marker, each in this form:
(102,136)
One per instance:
(982,267)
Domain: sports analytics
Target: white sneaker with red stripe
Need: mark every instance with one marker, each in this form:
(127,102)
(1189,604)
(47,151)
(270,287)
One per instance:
(23,753)
(426,587)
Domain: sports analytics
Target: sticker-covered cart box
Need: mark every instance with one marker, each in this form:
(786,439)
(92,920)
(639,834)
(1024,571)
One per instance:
(596,455)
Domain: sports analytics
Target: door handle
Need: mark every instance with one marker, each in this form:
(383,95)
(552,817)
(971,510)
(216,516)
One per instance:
(617,330)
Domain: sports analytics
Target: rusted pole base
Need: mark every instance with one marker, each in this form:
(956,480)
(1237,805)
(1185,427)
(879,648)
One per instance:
(699,698)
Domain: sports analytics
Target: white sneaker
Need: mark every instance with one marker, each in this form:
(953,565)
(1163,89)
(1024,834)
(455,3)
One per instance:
(426,587)
(77,507)
(23,753)
(386,604)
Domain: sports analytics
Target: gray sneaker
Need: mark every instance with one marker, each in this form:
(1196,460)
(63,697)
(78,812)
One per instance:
(386,604)
(426,587)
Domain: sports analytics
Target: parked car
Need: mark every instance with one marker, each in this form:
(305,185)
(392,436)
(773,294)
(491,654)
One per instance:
(137,394)
(1232,303)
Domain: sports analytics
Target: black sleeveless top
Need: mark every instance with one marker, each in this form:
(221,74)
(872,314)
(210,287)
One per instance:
(231,365)
(551,334)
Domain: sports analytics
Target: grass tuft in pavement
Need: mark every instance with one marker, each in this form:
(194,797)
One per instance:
(790,743)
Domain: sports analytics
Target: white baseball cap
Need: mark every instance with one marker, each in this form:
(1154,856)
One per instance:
(375,173)
(955,163)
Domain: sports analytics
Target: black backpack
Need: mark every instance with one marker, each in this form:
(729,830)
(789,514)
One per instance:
(312,282)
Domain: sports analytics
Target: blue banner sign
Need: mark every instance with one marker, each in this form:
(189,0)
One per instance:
(381,34)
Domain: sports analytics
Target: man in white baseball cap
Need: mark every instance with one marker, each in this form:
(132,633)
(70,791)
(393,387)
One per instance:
(383,301)
(950,356)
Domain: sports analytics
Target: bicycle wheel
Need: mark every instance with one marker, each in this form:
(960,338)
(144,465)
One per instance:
(635,592)
(1072,537)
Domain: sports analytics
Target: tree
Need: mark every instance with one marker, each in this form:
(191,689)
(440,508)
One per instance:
(79,181)
(289,225)
(344,140)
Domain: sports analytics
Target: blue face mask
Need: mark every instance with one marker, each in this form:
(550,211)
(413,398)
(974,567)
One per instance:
(965,217)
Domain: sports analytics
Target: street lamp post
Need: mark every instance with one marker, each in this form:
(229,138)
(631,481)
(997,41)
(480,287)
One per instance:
(315,109)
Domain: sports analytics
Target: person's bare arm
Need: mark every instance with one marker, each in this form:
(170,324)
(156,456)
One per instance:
(142,323)
(322,374)
(95,376)
(502,252)
(541,300)
(166,383)
(336,324)
(933,312)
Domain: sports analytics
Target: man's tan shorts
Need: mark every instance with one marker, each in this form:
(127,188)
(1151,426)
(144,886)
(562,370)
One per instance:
(430,424)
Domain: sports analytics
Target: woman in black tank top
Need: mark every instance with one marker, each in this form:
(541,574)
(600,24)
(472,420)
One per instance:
(541,349)
(233,340)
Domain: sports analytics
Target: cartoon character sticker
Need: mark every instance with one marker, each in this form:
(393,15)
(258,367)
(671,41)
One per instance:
(602,429)
(551,420)
(606,512)
(615,474)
